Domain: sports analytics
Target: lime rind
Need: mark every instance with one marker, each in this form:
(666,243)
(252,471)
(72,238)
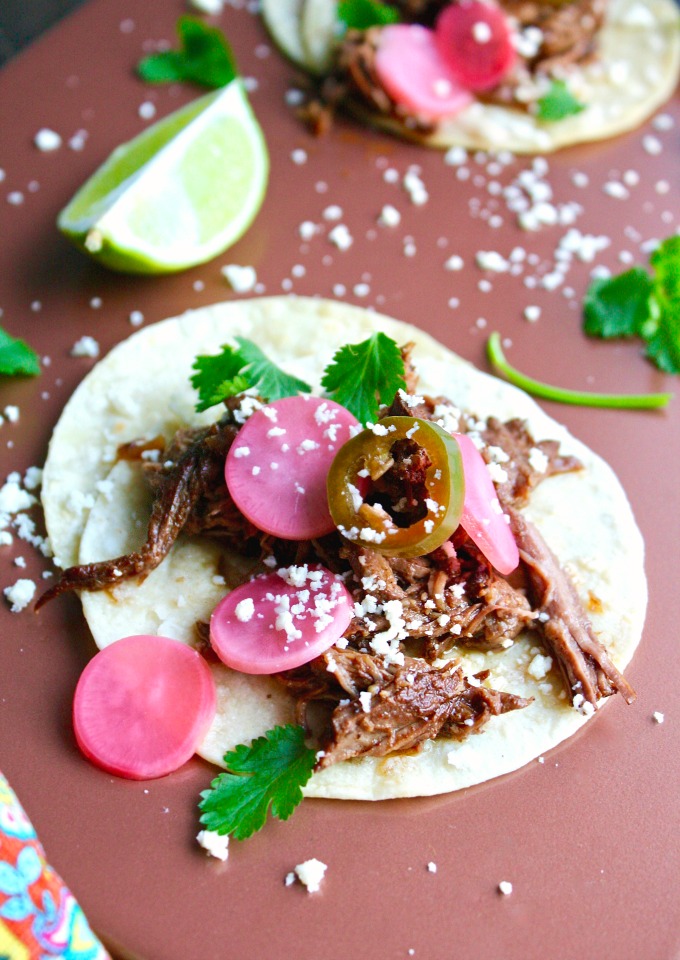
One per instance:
(178,194)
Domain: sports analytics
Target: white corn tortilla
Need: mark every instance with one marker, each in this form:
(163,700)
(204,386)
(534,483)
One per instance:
(635,72)
(97,509)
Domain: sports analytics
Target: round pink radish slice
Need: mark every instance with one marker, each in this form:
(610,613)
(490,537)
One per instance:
(276,468)
(142,706)
(483,518)
(412,71)
(475,41)
(280,620)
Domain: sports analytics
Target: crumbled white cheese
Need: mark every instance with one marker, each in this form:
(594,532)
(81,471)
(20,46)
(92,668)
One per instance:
(432,867)
(85,347)
(389,216)
(539,667)
(241,279)
(213,843)
(47,140)
(340,237)
(20,594)
(310,874)
(207,6)
(245,610)
(505,888)
(658,717)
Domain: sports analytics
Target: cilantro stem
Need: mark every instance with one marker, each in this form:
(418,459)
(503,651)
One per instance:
(582,398)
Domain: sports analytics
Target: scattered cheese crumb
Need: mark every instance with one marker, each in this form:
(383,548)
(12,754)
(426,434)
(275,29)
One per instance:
(505,887)
(341,237)
(310,874)
(432,867)
(658,717)
(47,140)
(245,610)
(215,844)
(85,347)
(240,279)
(20,594)
(207,6)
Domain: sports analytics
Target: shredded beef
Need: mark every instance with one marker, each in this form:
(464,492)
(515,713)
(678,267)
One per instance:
(566,36)
(190,496)
(446,599)
(567,632)
(513,438)
(402,706)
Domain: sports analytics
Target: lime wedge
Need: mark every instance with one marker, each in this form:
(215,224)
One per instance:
(179,193)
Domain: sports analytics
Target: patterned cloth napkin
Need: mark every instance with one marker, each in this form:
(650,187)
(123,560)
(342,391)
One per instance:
(39,917)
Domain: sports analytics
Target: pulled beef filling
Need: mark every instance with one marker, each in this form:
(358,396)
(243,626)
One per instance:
(560,33)
(371,704)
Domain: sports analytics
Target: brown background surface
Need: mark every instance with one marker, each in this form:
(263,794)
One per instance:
(589,839)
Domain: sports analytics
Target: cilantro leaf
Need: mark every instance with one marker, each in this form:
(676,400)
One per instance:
(559,102)
(204,58)
(16,357)
(360,374)
(218,377)
(662,330)
(271,381)
(618,306)
(234,370)
(362,14)
(637,304)
(269,773)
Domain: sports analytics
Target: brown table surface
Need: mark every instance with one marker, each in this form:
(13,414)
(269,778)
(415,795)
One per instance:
(589,838)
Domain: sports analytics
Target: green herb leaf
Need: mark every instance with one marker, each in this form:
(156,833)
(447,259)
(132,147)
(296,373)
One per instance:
(234,370)
(362,14)
(362,374)
(662,329)
(271,381)
(218,377)
(16,357)
(635,304)
(204,58)
(269,773)
(559,102)
(582,398)
(618,306)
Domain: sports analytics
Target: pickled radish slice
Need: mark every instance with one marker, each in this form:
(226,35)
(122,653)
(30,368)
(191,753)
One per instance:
(142,706)
(280,620)
(276,468)
(483,518)
(475,41)
(412,71)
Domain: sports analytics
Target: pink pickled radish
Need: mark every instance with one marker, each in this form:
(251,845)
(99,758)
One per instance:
(475,40)
(412,71)
(483,518)
(280,620)
(142,706)
(276,468)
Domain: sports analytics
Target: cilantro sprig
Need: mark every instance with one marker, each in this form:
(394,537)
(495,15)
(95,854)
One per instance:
(359,377)
(582,398)
(558,103)
(362,14)
(267,775)
(637,304)
(204,58)
(234,370)
(362,374)
(16,357)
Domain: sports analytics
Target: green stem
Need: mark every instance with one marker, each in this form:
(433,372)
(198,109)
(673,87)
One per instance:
(582,398)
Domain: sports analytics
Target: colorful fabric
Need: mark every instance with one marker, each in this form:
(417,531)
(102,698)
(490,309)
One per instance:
(39,917)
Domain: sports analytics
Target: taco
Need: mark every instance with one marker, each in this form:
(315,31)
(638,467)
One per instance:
(483,673)
(518,75)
